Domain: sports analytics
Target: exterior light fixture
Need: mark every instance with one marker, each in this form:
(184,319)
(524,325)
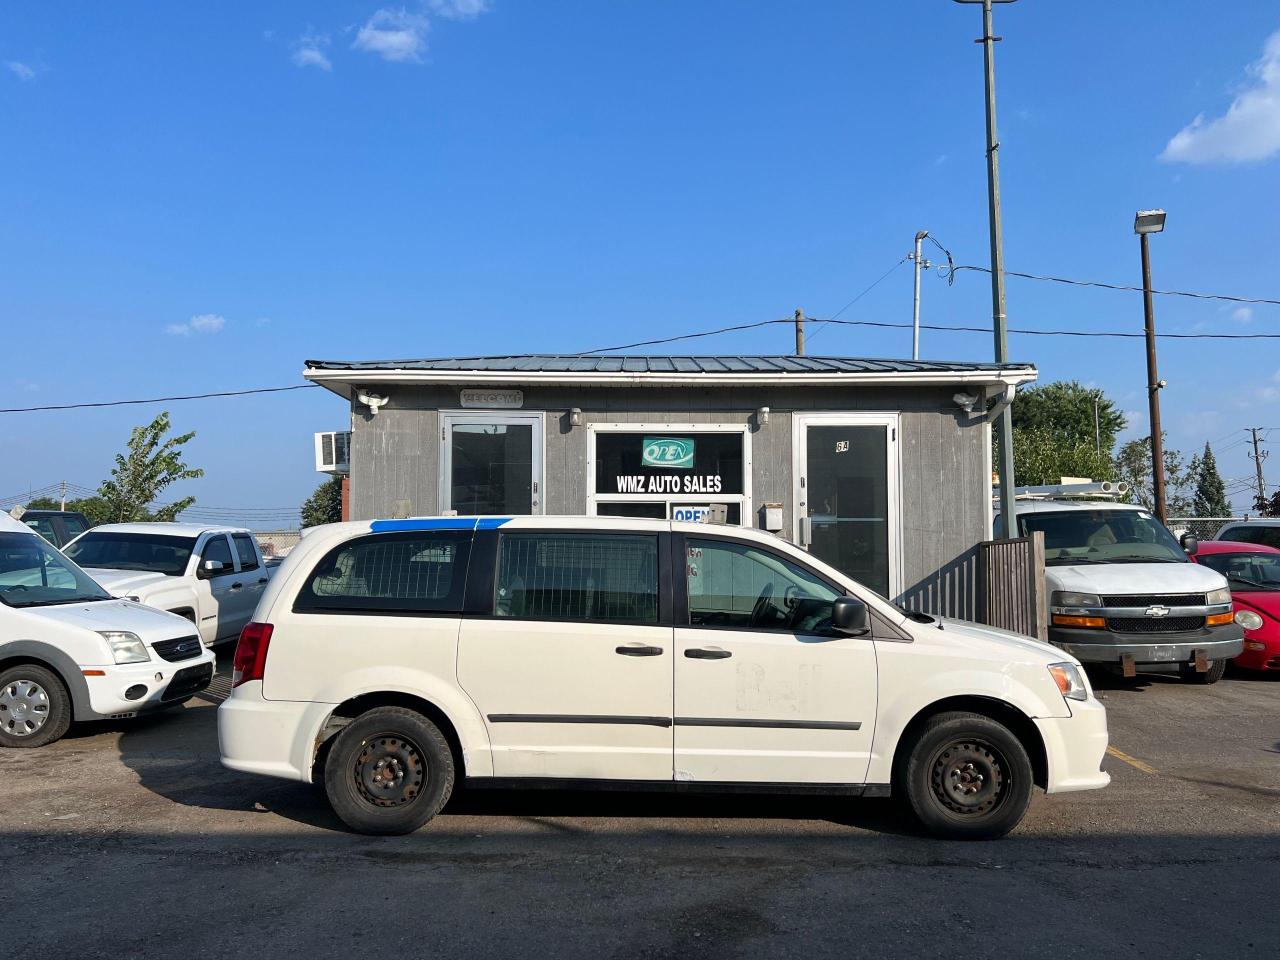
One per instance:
(575,417)
(762,416)
(1148,221)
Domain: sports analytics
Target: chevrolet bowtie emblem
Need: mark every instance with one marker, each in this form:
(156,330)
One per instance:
(1157,611)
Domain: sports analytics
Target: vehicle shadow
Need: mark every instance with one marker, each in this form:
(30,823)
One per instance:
(175,756)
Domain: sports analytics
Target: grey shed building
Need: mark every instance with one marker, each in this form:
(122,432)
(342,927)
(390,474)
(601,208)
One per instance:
(880,467)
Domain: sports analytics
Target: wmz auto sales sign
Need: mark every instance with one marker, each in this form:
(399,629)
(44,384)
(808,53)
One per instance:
(669,483)
(669,465)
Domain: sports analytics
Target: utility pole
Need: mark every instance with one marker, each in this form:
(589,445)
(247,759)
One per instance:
(64,496)
(1004,427)
(915,310)
(1257,457)
(799,333)
(1145,223)
(1097,425)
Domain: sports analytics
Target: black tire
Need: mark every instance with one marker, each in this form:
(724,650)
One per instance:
(389,772)
(967,777)
(1216,669)
(35,708)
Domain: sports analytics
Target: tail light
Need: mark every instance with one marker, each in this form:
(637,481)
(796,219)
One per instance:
(250,662)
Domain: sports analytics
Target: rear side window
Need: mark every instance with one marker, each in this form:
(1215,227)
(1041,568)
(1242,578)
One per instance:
(74,525)
(420,572)
(585,577)
(244,550)
(44,527)
(1267,536)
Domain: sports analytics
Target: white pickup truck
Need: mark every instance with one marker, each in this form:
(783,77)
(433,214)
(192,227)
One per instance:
(213,576)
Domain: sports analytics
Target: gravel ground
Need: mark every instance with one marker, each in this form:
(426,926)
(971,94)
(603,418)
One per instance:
(128,839)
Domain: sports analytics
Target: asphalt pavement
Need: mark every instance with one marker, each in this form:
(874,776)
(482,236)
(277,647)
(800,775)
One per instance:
(128,839)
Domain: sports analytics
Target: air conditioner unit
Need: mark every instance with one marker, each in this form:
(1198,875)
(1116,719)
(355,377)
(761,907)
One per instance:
(333,452)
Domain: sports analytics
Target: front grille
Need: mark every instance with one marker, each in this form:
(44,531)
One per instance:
(1156,599)
(183,648)
(1154,625)
(187,681)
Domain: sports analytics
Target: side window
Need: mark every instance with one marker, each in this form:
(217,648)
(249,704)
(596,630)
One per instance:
(244,550)
(74,527)
(44,527)
(569,576)
(419,572)
(738,585)
(217,549)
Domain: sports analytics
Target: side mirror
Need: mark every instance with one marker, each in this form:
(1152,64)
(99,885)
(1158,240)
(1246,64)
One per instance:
(210,568)
(849,616)
(1189,543)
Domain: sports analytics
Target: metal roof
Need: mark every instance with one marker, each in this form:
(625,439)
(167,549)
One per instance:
(613,363)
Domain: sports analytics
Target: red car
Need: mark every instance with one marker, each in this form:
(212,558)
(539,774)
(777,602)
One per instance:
(1253,573)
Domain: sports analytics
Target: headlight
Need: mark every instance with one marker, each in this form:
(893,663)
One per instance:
(1248,619)
(125,647)
(1064,598)
(1221,595)
(1069,680)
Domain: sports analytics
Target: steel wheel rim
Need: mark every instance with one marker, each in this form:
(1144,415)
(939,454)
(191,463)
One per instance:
(389,770)
(24,708)
(969,777)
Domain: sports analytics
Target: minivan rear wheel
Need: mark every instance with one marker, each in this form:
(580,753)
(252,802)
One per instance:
(967,777)
(389,771)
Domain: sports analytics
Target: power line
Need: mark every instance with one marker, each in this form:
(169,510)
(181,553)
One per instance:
(193,396)
(949,273)
(882,277)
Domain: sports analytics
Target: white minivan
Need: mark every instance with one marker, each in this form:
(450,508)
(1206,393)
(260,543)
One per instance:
(393,658)
(71,651)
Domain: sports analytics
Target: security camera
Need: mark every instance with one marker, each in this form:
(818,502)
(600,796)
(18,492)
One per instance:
(371,400)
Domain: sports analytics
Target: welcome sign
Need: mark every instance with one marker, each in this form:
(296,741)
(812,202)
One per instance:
(670,452)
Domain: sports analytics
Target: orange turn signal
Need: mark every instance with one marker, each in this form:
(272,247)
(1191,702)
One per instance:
(94,673)
(1063,620)
(1218,619)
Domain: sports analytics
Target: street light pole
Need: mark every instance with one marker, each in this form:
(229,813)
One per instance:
(1004,426)
(1145,223)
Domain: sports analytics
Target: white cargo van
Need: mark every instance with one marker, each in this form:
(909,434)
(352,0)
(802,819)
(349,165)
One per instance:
(389,659)
(1123,592)
(70,651)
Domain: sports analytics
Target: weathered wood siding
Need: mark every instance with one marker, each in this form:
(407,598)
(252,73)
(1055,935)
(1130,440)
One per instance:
(945,484)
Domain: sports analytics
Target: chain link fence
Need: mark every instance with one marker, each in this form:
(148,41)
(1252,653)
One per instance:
(1202,528)
(277,543)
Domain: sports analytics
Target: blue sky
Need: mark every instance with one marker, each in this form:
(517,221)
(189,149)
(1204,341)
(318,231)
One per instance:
(198,199)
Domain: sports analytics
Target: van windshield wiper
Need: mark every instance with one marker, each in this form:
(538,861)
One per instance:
(1133,559)
(1073,560)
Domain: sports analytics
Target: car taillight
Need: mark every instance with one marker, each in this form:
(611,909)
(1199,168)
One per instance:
(250,662)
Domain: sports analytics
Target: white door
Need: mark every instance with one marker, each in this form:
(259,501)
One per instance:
(491,463)
(765,691)
(573,673)
(219,592)
(252,579)
(847,495)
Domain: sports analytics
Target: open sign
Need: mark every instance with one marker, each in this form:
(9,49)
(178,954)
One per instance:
(671,452)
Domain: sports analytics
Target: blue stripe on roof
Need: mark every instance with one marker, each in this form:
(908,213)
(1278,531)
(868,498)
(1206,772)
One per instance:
(438,523)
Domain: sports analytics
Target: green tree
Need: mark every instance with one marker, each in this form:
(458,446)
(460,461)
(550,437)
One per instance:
(144,471)
(1041,456)
(1071,412)
(1133,466)
(1209,496)
(325,505)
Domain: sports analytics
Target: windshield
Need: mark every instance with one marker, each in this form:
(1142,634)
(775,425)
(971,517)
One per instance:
(153,553)
(1103,536)
(33,574)
(1246,571)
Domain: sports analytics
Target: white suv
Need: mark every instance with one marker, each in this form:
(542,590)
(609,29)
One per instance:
(392,658)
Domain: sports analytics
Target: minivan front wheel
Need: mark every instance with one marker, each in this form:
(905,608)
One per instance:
(34,706)
(967,777)
(389,771)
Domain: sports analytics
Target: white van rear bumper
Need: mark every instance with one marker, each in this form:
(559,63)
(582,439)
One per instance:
(275,738)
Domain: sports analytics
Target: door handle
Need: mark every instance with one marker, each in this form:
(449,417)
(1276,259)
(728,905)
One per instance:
(237,585)
(263,580)
(707,653)
(638,650)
